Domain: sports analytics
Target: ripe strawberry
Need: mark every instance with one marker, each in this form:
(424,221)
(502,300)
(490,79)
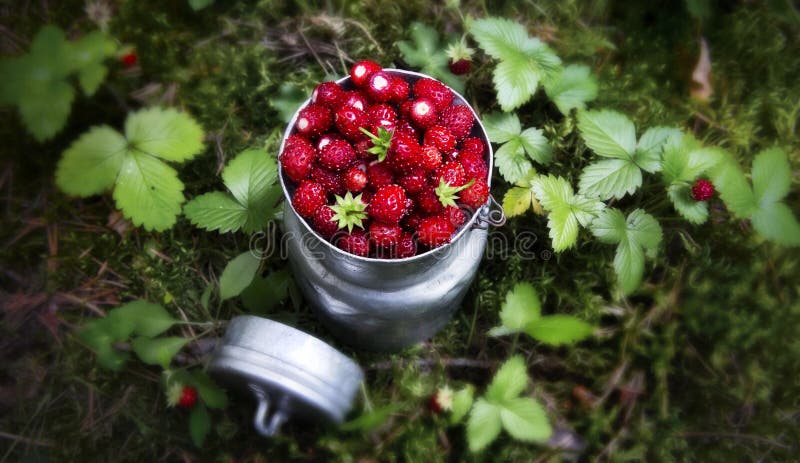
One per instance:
(379,87)
(428,201)
(451,173)
(702,190)
(337,155)
(362,149)
(355,99)
(455,215)
(388,205)
(325,139)
(308,197)
(355,242)
(349,121)
(384,235)
(474,146)
(129,59)
(460,57)
(379,175)
(297,157)
(381,115)
(362,71)
(403,154)
(331,182)
(476,195)
(313,120)
(411,221)
(435,231)
(423,113)
(322,221)
(460,67)
(458,119)
(430,157)
(403,127)
(399,90)
(355,179)
(405,247)
(437,92)
(414,182)
(188,398)
(441,400)
(474,165)
(328,94)
(440,137)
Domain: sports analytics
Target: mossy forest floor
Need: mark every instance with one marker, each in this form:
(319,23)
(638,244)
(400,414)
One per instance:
(702,364)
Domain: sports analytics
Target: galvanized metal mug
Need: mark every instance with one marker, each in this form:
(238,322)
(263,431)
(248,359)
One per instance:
(380,304)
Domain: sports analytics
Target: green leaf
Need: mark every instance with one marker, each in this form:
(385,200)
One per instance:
(238,275)
(216,211)
(99,335)
(110,358)
(462,403)
(46,109)
(775,222)
(608,133)
(426,53)
(252,179)
(90,165)
(559,329)
(772,176)
(211,394)
(288,100)
(524,419)
(519,147)
(610,178)
(264,293)
(521,307)
(524,61)
(144,318)
(148,191)
(695,212)
(483,426)
(509,381)
(164,133)
(629,266)
(643,229)
(733,188)
(651,145)
(610,226)
(198,5)
(199,424)
(158,351)
(87,55)
(91,76)
(566,210)
(572,88)
(502,127)
(371,419)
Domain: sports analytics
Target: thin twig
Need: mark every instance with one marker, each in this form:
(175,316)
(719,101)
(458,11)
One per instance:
(733,435)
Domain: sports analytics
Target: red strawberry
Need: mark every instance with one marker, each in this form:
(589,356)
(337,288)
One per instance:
(349,121)
(362,149)
(406,247)
(297,157)
(356,100)
(435,231)
(458,119)
(403,127)
(414,182)
(379,87)
(362,71)
(331,182)
(355,179)
(422,113)
(702,190)
(430,157)
(308,197)
(460,67)
(325,139)
(328,94)
(428,201)
(403,154)
(323,223)
(474,146)
(188,398)
(460,57)
(476,195)
(435,91)
(379,175)
(441,400)
(440,137)
(411,221)
(474,165)
(313,120)
(388,204)
(381,115)
(355,242)
(399,90)
(337,155)
(452,173)
(455,215)
(129,59)
(384,235)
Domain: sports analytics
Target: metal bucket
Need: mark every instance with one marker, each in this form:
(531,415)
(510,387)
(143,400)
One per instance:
(379,304)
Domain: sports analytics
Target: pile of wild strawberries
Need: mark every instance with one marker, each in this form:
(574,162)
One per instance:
(388,169)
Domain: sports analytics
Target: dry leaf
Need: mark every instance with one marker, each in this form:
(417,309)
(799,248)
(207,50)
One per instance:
(701,83)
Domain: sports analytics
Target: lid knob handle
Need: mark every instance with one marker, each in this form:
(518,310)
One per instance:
(265,425)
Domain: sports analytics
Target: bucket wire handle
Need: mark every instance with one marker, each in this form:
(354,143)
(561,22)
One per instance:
(279,416)
(492,214)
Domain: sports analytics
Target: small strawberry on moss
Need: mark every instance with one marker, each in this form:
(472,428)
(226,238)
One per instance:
(441,400)
(129,59)
(183,396)
(349,212)
(702,190)
(460,57)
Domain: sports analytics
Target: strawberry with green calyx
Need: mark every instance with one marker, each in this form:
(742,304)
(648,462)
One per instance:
(448,194)
(182,396)
(441,400)
(350,212)
(460,57)
(380,142)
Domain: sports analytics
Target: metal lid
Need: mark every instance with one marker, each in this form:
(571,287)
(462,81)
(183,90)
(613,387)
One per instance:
(290,373)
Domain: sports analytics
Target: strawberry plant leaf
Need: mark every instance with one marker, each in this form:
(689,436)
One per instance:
(509,381)
(775,222)
(608,133)
(610,178)
(91,164)
(651,145)
(462,403)
(525,420)
(629,266)
(264,293)
(198,5)
(427,54)
(733,188)
(87,55)
(110,358)
(572,88)
(238,275)
(158,351)
(144,318)
(521,307)
(483,426)
(559,329)
(211,394)
(164,133)
(371,419)
(771,175)
(609,227)
(46,113)
(199,424)
(524,61)
(695,212)
(566,210)
(518,148)
(216,211)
